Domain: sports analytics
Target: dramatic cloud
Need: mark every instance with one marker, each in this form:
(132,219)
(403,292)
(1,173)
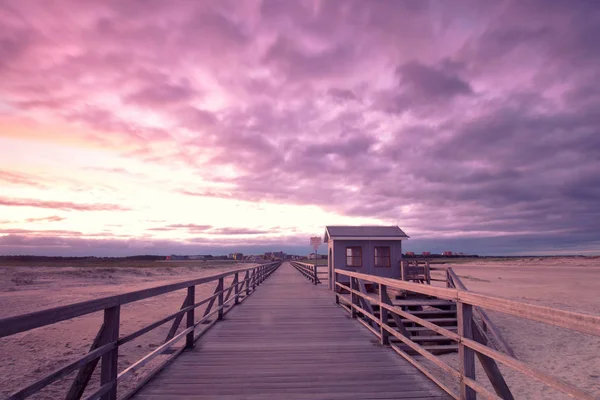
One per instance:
(473,125)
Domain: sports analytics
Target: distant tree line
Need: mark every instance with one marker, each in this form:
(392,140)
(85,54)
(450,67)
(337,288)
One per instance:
(27,258)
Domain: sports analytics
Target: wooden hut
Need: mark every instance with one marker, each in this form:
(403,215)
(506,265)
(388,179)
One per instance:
(375,250)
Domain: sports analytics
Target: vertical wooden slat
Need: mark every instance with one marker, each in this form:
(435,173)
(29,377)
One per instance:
(220,304)
(354,286)
(109,360)
(465,354)
(177,320)
(316,273)
(237,289)
(383,316)
(189,338)
(247,279)
(490,367)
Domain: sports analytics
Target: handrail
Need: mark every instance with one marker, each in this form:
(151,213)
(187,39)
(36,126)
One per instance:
(468,339)
(486,326)
(107,341)
(310,271)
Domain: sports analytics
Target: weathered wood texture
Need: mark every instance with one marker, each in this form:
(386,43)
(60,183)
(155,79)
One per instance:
(289,340)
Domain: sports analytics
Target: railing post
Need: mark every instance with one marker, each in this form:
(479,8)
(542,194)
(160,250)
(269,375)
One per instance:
(220,303)
(254,275)
(189,338)
(354,298)
(247,279)
(315,272)
(108,373)
(383,315)
(466,355)
(237,289)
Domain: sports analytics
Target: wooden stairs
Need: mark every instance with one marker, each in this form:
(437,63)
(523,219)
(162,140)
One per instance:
(435,311)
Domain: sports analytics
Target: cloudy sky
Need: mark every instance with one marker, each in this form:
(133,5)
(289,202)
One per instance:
(132,127)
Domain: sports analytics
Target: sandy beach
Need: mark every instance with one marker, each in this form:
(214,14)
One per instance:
(565,283)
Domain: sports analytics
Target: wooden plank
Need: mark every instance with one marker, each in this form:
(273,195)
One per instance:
(237,288)
(85,373)
(386,300)
(383,316)
(490,367)
(466,356)
(191,294)
(220,299)
(177,321)
(108,368)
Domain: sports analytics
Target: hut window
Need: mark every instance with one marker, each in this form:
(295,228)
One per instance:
(382,257)
(354,256)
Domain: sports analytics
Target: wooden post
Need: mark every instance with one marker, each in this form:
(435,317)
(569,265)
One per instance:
(220,303)
(247,279)
(383,316)
(403,270)
(316,276)
(237,289)
(466,355)
(189,338)
(108,373)
(353,286)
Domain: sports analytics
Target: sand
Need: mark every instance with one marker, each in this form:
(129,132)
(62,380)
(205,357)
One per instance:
(571,284)
(566,283)
(31,355)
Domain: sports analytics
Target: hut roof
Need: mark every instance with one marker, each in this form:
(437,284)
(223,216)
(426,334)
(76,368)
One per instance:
(364,233)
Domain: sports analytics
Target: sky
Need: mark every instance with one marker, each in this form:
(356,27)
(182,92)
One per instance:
(193,127)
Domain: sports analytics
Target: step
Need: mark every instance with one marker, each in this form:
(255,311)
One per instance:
(433,320)
(436,338)
(435,349)
(422,302)
(424,329)
(427,313)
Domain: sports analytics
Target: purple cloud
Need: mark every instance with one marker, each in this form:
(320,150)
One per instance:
(390,110)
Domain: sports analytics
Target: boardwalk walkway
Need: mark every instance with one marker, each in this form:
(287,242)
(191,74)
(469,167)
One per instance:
(289,341)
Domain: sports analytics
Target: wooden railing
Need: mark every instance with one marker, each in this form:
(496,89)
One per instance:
(484,325)
(107,342)
(470,342)
(310,271)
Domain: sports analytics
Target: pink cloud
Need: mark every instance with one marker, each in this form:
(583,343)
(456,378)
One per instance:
(60,205)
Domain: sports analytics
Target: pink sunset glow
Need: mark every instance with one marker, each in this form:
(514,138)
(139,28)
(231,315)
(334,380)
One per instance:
(155,127)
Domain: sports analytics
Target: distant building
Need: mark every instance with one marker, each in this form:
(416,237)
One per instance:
(410,254)
(175,257)
(426,254)
(238,256)
(447,253)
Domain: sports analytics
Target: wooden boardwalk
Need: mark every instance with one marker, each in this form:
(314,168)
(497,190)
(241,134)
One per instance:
(289,340)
